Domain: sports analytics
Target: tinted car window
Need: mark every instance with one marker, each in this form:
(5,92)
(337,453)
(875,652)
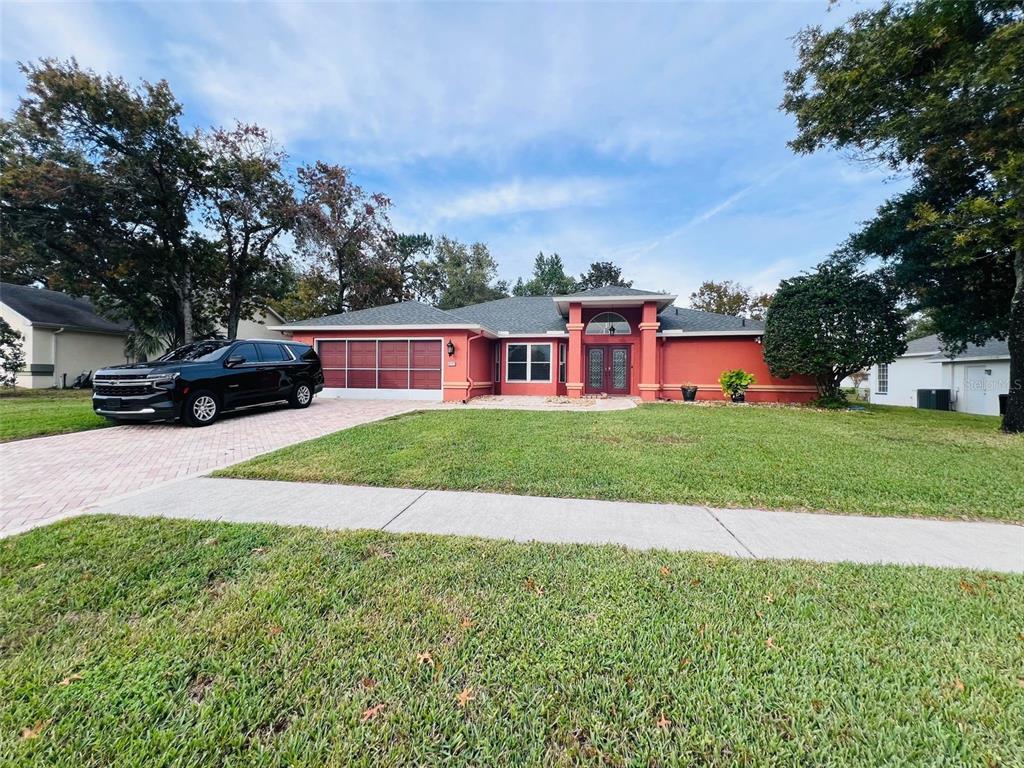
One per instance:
(197,352)
(248,351)
(273,353)
(304,352)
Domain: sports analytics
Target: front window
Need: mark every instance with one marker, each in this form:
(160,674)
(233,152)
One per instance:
(196,352)
(528,362)
(561,363)
(608,324)
(248,351)
(882,387)
(273,353)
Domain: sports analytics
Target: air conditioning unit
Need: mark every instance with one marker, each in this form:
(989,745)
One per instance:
(933,399)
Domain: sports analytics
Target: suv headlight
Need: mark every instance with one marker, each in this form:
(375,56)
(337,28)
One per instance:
(163,380)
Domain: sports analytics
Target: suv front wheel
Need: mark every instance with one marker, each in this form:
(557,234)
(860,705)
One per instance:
(201,409)
(301,396)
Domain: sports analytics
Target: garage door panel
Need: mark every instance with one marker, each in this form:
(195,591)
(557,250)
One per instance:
(362,379)
(362,354)
(332,354)
(394,354)
(425,379)
(426,354)
(394,365)
(394,379)
(334,377)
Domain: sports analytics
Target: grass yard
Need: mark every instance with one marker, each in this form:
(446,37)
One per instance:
(36,412)
(883,461)
(137,642)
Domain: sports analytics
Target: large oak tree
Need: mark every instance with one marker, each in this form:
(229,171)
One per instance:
(97,184)
(934,87)
(346,232)
(248,204)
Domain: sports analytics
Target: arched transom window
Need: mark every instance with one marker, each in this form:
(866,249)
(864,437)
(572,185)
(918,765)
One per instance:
(608,324)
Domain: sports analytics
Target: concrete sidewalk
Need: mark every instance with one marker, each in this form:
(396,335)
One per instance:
(736,532)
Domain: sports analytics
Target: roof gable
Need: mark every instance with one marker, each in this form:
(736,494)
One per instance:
(516,314)
(613,290)
(41,306)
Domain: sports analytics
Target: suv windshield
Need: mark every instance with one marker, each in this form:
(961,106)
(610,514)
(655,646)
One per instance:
(197,352)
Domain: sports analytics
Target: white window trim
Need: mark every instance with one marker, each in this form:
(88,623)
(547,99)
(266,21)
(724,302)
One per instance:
(563,362)
(880,380)
(529,363)
(588,332)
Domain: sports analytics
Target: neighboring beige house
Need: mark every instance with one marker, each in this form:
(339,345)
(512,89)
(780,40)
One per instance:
(65,337)
(257,327)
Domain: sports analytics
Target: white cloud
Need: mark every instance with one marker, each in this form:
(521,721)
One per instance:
(523,196)
(392,84)
(644,134)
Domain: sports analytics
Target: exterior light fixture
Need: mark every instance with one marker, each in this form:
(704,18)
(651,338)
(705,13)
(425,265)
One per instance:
(611,329)
(451,348)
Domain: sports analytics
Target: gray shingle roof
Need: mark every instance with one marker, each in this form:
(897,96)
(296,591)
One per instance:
(44,307)
(518,314)
(614,290)
(931,344)
(684,319)
(403,313)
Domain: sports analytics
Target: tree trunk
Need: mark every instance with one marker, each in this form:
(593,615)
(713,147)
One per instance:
(827,385)
(234,314)
(186,306)
(1013,420)
(341,284)
(235,292)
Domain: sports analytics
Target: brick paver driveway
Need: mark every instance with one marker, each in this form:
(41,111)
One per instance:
(46,478)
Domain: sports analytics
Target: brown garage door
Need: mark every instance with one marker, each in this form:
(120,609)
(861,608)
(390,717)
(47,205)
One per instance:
(381,364)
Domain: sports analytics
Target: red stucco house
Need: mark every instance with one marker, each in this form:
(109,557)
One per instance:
(612,341)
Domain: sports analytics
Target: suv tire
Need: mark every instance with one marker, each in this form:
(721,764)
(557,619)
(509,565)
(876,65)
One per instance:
(201,409)
(301,396)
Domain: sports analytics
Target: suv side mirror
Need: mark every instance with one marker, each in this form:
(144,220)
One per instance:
(234,360)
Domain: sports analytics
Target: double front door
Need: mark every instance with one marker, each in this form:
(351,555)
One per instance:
(607,370)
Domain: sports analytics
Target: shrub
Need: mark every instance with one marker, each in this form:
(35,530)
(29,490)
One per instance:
(12,354)
(735,382)
(832,323)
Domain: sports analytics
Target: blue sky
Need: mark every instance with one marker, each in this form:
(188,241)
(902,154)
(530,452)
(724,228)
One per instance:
(649,135)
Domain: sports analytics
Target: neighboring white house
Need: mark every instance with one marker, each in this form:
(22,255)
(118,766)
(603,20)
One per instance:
(975,378)
(65,337)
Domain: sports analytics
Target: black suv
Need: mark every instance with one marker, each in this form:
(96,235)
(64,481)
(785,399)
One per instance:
(200,380)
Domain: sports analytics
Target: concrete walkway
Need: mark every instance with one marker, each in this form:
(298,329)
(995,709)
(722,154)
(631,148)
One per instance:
(736,532)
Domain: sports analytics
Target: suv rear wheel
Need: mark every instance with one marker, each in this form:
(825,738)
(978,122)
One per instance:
(201,409)
(301,396)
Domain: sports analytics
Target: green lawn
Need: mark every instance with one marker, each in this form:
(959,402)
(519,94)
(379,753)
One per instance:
(136,642)
(883,461)
(34,412)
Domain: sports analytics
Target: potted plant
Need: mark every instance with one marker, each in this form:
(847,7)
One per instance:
(689,392)
(734,384)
